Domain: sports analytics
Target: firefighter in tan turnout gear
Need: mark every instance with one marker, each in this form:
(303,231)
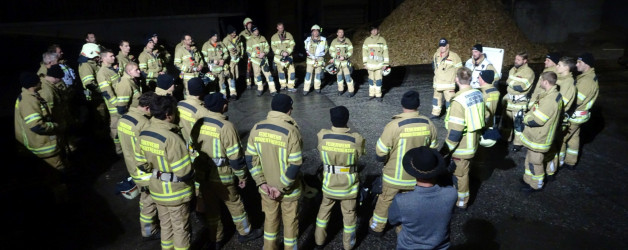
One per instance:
(108,79)
(406,131)
(151,64)
(215,54)
(188,59)
(445,64)
(315,48)
(257,48)
(171,185)
(220,160)
(129,127)
(464,123)
(375,59)
(519,83)
(282,44)
(236,52)
(340,51)
(244,36)
(587,92)
(339,150)
(541,125)
(273,156)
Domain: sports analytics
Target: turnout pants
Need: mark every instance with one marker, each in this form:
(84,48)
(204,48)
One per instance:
(510,111)
(285,80)
(113,130)
(375,82)
(175,227)
(257,74)
(380,213)
(148,211)
(348,218)
(213,194)
(186,78)
(235,75)
(288,210)
(344,74)
(571,145)
(535,164)
(461,180)
(314,68)
(437,102)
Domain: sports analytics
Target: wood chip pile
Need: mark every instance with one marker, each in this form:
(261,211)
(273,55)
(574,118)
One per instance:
(413,29)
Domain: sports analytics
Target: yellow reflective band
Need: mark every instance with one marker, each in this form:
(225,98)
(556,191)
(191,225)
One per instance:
(32,117)
(540,115)
(382,147)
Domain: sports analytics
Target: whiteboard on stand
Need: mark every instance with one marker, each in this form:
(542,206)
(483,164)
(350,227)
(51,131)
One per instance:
(495,56)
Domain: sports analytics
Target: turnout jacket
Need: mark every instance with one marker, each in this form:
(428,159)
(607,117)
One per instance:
(445,68)
(273,154)
(588,91)
(167,155)
(281,43)
(213,52)
(235,48)
(567,89)
(218,143)
(150,63)
(255,45)
(129,127)
(519,85)
(406,131)
(339,147)
(128,93)
(542,120)
(375,53)
(187,60)
(464,122)
(33,125)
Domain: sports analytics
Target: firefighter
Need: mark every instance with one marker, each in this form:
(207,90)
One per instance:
(445,64)
(221,160)
(587,92)
(551,60)
(35,129)
(108,78)
(257,47)
(165,85)
(189,112)
(490,95)
(171,184)
(567,89)
(541,125)
(160,50)
(406,131)
(282,44)
(129,127)
(88,67)
(151,65)
(128,89)
(236,51)
(479,62)
(52,90)
(48,59)
(244,36)
(340,150)
(215,53)
(464,123)
(340,51)
(519,83)
(315,48)
(188,60)
(273,156)
(124,56)
(375,59)
(69,72)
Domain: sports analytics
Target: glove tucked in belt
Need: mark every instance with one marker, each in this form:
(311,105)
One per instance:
(339,169)
(166,176)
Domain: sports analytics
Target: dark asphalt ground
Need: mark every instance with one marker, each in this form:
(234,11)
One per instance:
(582,209)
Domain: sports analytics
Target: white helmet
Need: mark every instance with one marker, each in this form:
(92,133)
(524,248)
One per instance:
(386,71)
(489,137)
(247,20)
(316,27)
(90,50)
(128,188)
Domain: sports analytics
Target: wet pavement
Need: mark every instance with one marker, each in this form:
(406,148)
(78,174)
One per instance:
(583,209)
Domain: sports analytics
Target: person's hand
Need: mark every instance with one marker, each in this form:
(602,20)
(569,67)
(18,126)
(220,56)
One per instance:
(265,188)
(242,183)
(199,68)
(331,60)
(274,193)
(221,62)
(284,53)
(384,68)
(261,55)
(342,58)
(161,72)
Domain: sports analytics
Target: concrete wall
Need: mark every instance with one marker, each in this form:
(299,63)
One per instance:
(169,28)
(551,21)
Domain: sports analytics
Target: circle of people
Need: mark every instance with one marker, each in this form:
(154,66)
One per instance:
(179,151)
